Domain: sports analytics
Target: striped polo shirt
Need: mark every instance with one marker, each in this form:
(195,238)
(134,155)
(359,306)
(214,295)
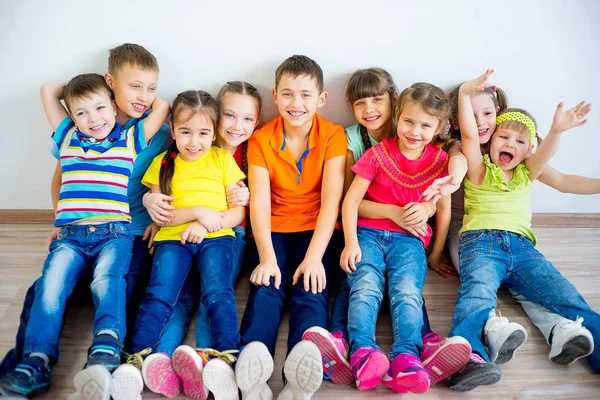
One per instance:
(95,174)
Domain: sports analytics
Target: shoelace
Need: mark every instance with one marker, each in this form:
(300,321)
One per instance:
(330,365)
(227,355)
(137,359)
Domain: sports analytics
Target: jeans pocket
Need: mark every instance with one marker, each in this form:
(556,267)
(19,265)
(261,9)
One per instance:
(473,245)
(120,231)
(470,237)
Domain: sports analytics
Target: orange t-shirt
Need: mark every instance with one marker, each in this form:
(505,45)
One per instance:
(296,189)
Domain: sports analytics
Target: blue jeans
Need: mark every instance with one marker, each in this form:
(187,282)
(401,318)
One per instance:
(399,258)
(174,332)
(172,263)
(490,258)
(106,249)
(266,303)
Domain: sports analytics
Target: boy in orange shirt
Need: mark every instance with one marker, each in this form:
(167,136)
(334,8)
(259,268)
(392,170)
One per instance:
(293,220)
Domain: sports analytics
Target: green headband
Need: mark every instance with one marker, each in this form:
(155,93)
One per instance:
(519,117)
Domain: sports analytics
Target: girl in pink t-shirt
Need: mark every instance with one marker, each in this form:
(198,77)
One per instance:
(396,171)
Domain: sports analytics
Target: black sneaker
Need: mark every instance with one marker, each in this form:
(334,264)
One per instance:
(476,373)
(105,351)
(31,376)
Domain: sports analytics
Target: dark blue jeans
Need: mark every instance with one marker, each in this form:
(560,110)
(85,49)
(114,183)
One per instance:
(172,262)
(490,258)
(266,303)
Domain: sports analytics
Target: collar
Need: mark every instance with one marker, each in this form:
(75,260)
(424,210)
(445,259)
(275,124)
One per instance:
(112,137)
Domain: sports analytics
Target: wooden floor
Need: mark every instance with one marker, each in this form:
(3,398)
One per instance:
(574,251)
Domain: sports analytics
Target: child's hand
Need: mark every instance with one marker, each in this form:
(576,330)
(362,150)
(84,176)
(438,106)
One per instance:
(194,233)
(397,217)
(441,187)
(261,276)
(52,237)
(350,257)
(476,85)
(159,207)
(417,213)
(149,233)
(240,196)
(438,265)
(315,279)
(211,219)
(572,118)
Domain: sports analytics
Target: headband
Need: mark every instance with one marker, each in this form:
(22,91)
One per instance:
(519,117)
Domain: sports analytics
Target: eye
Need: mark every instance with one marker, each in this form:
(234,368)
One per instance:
(521,141)
(80,113)
(135,86)
(249,119)
(359,103)
(306,95)
(152,89)
(426,126)
(503,137)
(286,94)
(408,121)
(377,99)
(99,108)
(487,113)
(184,132)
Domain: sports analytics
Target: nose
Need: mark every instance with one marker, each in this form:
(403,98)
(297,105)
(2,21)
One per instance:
(238,124)
(143,95)
(298,100)
(370,107)
(478,120)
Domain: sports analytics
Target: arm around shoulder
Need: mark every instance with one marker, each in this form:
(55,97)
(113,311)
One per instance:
(156,119)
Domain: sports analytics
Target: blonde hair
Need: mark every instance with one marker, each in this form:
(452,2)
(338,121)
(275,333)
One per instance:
(133,55)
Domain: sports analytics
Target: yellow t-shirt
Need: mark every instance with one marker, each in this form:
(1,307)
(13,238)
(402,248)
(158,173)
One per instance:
(197,184)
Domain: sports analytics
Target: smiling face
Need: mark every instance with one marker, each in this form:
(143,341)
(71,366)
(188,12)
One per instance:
(193,135)
(416,129)
(509,147)
(485,112)
(134,89)
(373,112)
(94,115)
(238,118)
(298,99)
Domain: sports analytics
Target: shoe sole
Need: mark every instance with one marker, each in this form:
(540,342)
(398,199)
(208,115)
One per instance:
(480,377)
(371,377)
(160,377)
(303,369)
(185,364)
(414,382)
(93,383)
(510,346)
(126,383)
(342,373)
(252,371)
(447,360)
(574,349)
(219,378)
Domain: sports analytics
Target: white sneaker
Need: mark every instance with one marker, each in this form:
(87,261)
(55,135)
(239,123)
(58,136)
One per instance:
(570,342)
(503,338)
(93,383)
(126,383)
(219,378)
(252,371)
(303,370)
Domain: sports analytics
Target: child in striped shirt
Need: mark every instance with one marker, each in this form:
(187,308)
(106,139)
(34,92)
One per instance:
(97,158)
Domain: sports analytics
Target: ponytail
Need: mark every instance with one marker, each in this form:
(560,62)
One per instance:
(167,169)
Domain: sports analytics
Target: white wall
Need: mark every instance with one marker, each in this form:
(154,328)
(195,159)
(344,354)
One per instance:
(543,52)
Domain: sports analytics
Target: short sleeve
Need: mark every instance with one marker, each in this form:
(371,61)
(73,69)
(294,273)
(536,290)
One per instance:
(256,155)
(336,144)
(152,175)
(231,172)
(367,166)
(61,131)
(139,141)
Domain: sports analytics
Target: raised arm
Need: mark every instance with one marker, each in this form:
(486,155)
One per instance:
(156,119)
(563,120)
(574,184)
(51,94)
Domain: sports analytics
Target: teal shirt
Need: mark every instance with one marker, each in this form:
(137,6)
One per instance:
(355,142)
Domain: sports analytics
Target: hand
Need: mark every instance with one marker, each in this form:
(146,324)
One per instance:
(211,219)
(315,279)
(194,233)
(351,256)
(572,118)
(441,187)
(261,276)
(417,213)
(52,237)
(441,267)
(159,207)
(149,233)
(478,84)
(397,217)
(239,196)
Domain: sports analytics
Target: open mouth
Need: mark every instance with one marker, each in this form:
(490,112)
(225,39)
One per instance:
(483,132)
(235,135)
(412,140)
(194,151)
(505,157)
(97,128)
(139,107)
(296,114)
(372,118)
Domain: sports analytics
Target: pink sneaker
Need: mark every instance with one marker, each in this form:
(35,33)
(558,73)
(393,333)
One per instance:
(368,366)
(188,366)
(444,357)
(406,374)
(159,375)
(334,350)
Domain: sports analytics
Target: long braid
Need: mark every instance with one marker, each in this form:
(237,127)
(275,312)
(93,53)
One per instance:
(167,169)
(365,137)
(245,157)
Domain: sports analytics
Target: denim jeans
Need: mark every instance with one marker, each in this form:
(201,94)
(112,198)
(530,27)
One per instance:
(106,250)
(400,259)
(213,259)
(266,303)
(490,258)
(174,332)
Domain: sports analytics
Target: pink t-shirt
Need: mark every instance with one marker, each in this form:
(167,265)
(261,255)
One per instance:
(397,180)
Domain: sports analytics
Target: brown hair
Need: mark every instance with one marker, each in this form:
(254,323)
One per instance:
(516,125)
(497,95)
(300,65)
(133,55)
(85,85)
(369,82)
(243,88)
(434,101)
(189,102)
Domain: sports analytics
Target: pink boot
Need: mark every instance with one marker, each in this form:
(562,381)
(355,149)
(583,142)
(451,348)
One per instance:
(407,374)
(369,365)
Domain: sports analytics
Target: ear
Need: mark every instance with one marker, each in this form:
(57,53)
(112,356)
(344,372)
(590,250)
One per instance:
(114,106)
(529,151)
(109,80)
(322,99)
(274,93)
